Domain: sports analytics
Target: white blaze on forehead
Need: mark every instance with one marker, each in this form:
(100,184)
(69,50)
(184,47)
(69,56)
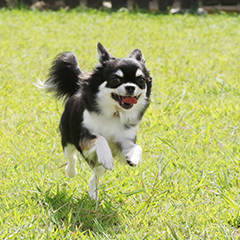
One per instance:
(119,73)
(138,73)
(103,85)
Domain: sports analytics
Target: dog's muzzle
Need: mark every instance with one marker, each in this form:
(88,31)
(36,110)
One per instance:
(125,102)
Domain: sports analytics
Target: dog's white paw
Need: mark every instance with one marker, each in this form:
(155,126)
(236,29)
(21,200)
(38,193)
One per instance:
(71,171)
(104,153)
(134,156)
(93,193)
(94,181)
(106,159)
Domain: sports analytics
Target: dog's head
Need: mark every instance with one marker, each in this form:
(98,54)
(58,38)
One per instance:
(126,81)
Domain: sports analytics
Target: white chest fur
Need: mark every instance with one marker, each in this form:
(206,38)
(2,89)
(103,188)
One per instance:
(112,128)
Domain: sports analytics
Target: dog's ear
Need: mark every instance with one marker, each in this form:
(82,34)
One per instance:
(137,54)
(103,54)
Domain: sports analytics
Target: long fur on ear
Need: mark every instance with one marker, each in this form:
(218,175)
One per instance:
(103,54)
(137,54)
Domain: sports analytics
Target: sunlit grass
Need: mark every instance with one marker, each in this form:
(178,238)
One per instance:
(187,186)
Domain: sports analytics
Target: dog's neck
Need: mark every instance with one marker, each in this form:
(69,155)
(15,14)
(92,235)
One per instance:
(118,110)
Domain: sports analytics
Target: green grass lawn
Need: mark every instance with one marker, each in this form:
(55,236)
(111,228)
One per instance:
(188,184)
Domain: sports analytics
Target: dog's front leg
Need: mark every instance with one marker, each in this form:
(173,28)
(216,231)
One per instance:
(99,146)
(132,152)
(104,153)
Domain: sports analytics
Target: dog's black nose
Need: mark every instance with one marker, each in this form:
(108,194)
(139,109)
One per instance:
(130,89)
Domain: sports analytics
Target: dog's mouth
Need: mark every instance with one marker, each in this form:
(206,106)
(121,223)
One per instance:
(125,102)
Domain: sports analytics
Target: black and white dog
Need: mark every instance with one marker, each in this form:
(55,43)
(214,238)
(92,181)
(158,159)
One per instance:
(103,109)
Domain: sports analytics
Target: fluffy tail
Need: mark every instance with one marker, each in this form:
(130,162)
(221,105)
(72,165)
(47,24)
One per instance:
(64,75)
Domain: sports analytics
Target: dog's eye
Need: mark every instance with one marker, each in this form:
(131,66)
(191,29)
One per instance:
(140,80)
(115,80)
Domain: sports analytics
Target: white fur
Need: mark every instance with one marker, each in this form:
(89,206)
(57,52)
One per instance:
(132,152)
(39,84)
(134,156)
(70,153)
(97,173)
(119,73)
(110,128)
(104,153)
(138,73)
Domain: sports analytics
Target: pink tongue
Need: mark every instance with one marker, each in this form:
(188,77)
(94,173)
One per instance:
(129,100)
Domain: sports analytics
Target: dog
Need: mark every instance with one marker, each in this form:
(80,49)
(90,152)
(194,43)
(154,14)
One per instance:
(102,110)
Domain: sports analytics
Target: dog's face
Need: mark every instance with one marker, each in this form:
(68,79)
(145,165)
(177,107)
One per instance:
(126,83)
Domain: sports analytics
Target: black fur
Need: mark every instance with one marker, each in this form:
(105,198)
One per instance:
(64,75)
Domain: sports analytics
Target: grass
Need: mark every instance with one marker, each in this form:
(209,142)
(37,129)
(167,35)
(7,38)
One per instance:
(187,186)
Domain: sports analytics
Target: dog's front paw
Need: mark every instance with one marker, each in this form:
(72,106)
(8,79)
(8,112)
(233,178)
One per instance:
(106,159)
(71,171)
(134,156)
(104,153)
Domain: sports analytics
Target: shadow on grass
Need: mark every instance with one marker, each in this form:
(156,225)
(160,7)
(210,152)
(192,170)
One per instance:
(80,214)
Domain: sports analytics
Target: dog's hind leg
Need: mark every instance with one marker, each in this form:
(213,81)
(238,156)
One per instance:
(70,153)
(94,181)
(99,157)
